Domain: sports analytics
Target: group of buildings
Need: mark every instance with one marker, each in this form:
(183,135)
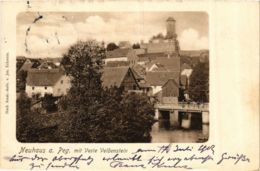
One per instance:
(155,69)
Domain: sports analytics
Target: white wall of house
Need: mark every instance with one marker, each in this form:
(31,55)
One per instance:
(115,59)
(141,62)
(57,63)
(62,86)
(156,89)
(42,90)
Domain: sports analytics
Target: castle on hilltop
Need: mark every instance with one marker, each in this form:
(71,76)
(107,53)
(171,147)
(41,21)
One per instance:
(167,44)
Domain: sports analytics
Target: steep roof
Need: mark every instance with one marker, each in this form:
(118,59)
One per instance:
(171,80)
(113,76)
(160,78)
(136,74)
(139,69)
(171,64)
(117,53)
(47,65)
(117,63)
(43,77)
(26,65)
(159,67)
(57,59)
(151,55)
(170,19)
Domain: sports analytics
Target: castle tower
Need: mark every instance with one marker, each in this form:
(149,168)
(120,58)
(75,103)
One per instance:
(170,26)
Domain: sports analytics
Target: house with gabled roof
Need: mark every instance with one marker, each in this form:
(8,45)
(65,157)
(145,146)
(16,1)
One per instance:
(157,79)
(26,65)
(171,64)
(121,77)
(169,93)
(47,65)
(47,81)
(151,60)
(124,54)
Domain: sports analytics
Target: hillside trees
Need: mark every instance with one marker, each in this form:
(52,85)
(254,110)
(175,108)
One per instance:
(111,46)
(136,46)
(84,64)
(26,119)
(21,80)
(199,82)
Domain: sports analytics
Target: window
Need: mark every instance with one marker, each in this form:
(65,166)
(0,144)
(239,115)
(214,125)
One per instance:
(32,88)
(45,88)
(61,81)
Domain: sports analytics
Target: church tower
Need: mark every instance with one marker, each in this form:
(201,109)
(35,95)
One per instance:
(170,26)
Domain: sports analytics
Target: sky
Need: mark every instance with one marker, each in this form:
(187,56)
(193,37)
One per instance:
(55,32)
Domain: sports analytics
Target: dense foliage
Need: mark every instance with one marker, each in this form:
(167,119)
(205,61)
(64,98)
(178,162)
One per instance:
(95,114)
(23,126)
(111,46)
(199,82)
(88,113)
(136,46)
(21,80)
(158,36)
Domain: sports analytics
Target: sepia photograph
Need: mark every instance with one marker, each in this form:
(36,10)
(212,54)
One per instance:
(152,85)
(112,77)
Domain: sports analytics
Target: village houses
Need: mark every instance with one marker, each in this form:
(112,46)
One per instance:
(149,69)
(121,77)
(47,81)
(125,55)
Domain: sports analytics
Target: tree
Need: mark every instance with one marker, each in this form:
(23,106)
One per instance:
(126,117)
(84,61)
(95,114)
(138,117)
(26,127)
(49,103)
(21,80)
(136,46)
(111,46)
(199,82)
(158,36)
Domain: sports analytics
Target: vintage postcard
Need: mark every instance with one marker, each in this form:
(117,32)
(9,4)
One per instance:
(135,85)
